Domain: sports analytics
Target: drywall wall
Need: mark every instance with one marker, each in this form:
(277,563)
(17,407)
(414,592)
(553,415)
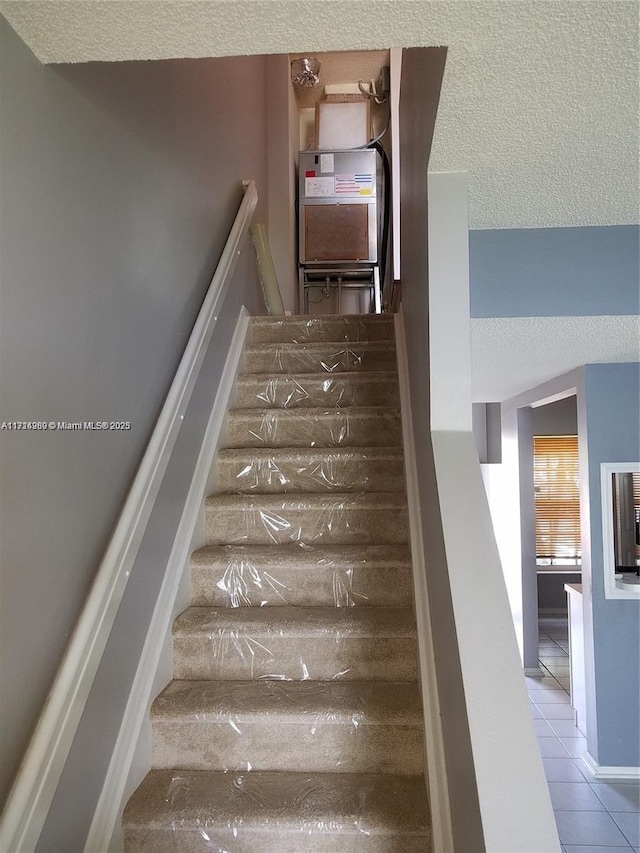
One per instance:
(422,73)
(554,272)
(551,592)
(119,186)
(485,422)
(282,159)
(612,405)
(80,785)
(557,418)
(450,349)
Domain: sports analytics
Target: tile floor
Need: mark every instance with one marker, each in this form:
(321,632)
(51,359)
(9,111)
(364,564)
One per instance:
(592,816)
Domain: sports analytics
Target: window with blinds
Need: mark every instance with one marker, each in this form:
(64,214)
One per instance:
(557,497)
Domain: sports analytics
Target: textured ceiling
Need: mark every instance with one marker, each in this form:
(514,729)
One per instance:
(539,103)
(512,354)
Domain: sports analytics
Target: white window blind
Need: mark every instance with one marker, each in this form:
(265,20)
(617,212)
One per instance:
(557,496)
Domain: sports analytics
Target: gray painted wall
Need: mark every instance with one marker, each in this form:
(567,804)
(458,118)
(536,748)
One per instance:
(558,418)
(119,185)
(551,592)
(81,782)
(549,272)
(486,425)
(612,401)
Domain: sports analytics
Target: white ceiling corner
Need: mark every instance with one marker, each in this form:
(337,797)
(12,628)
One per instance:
(511,354)
(540,97)
(540,105)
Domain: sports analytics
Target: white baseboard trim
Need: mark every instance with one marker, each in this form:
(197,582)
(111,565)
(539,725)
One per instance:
(610,774)
(110,805)
(435,763)
(35,785)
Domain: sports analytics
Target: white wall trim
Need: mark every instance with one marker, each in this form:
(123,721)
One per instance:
(610,774)
(110,804)
(435,762)
(38,776)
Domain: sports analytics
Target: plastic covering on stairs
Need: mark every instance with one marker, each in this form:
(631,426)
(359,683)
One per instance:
(294,720)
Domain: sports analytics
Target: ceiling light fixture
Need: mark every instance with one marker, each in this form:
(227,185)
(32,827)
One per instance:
(305,72)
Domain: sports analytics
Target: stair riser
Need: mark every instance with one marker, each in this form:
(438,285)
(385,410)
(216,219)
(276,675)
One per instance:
(239,584)
(330,359)
(234,655)
(233,744)
(333,524)
(322,330)
(275,475)
(172,840)
(283,429)
(341,391)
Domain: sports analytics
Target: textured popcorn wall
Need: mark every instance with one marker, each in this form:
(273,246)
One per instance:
(539,103)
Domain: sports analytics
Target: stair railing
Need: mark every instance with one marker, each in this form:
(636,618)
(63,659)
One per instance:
(36,781)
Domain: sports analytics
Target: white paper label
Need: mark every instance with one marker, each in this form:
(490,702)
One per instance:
(319,187)
(326,163)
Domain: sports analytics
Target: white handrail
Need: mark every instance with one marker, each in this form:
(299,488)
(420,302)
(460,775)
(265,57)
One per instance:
(38,776)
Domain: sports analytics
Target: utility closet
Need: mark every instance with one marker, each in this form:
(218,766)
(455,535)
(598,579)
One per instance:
(342,122)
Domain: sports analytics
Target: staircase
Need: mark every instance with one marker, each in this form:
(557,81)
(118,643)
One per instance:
(294,723)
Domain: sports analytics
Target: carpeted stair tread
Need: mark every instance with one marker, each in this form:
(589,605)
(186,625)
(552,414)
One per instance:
(311,500)
(333,518)
(303,329)
(296,643)
(303,390)
(296,574)
(329,356)
(362,727)
(337,802)
(289,470)
(299,622)
(315,427)
(295,720)
(370,703)
(306,556)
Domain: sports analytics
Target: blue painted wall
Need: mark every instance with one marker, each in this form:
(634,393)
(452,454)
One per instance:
(555,272)
(612,393)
